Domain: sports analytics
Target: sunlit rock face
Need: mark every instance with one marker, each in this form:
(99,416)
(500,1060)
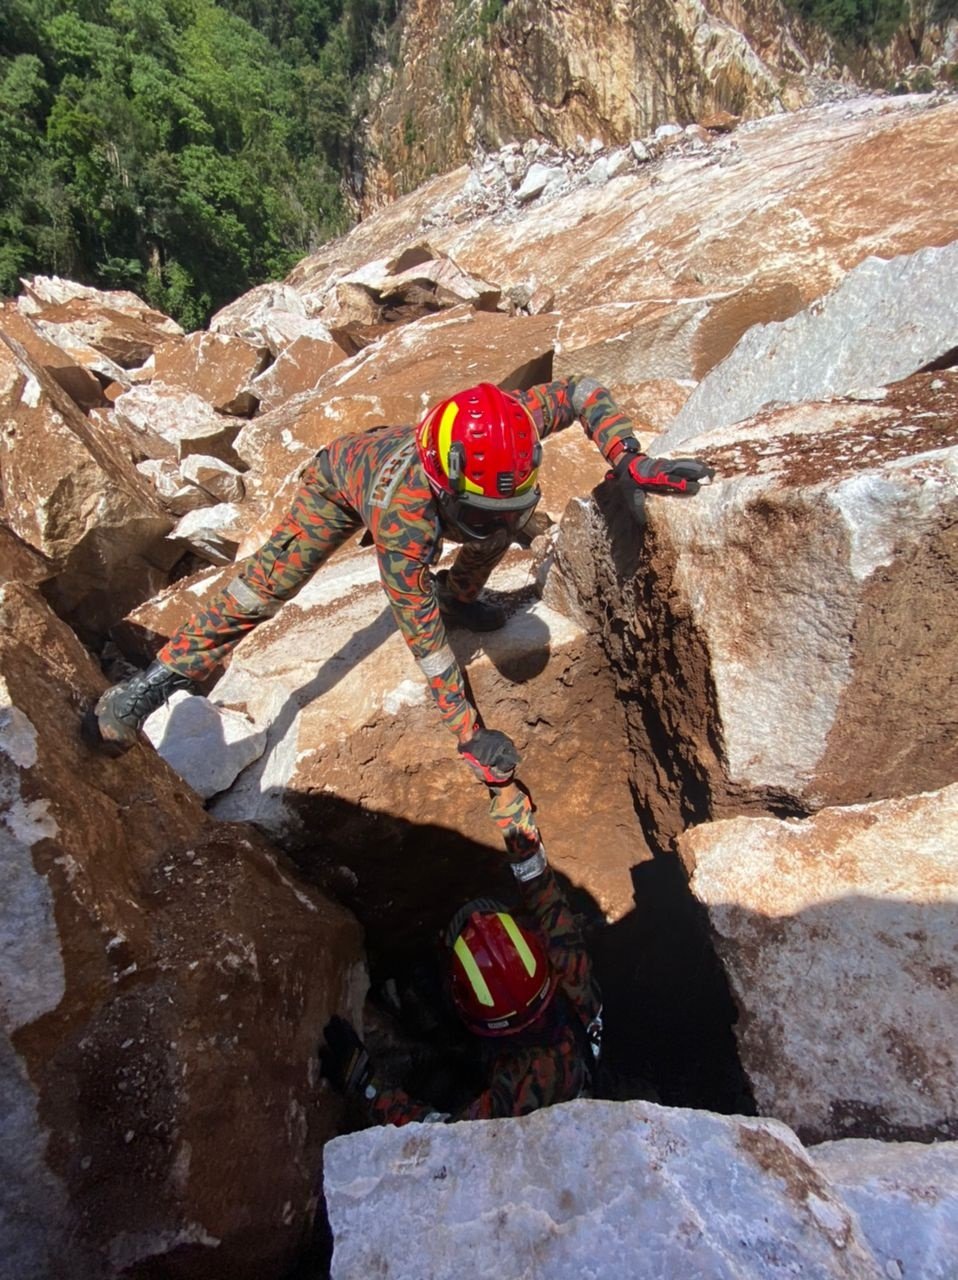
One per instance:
(659,270)
(778,645)
(904,1195)
(618,1189)
(163,981)
(67,495)
(791,621)
(481,76)
(115,322)
(348,753)
(838,935)
(217,367)
(885,320)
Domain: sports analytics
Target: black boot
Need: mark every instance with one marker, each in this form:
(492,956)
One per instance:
(477,615)
(122,709)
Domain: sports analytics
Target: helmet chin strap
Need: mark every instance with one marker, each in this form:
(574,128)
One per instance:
(446,503)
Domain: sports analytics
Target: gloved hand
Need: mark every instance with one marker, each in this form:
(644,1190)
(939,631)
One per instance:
(491,755)
(343,1059)
(640,475)
(511,809)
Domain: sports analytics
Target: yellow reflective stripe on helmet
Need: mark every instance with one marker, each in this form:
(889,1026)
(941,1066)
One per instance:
(528,483)
(519,942)
(444,437)
(444,444)
(476,980)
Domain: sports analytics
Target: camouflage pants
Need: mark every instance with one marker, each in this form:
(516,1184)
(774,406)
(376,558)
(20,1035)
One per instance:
(315,526)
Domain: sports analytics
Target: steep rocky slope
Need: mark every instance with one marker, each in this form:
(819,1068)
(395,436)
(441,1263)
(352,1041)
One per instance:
(476,74)
(741,716)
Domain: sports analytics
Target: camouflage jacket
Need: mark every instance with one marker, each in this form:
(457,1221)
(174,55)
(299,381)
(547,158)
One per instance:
(377,475)
(526,1075)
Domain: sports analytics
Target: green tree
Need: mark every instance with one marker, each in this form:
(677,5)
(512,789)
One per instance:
(184,148)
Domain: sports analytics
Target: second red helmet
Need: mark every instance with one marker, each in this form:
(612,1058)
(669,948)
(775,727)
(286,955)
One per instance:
(501,978)
(481,452)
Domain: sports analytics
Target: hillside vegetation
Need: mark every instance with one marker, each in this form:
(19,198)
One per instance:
(186,149)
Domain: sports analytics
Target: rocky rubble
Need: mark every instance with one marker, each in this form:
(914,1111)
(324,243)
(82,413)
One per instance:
(764,674)
(483,76)
(162,980)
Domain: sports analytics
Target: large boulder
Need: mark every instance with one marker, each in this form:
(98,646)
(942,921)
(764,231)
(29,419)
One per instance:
(75,501)
(599,1189)
(786,624)
(163,981)
(700,245)
(389,383)
(115,322)
(904,1195)
(218,367)
(168,422)
(75,369)
(355,748)
(838,936)
(884,321)
(298,367)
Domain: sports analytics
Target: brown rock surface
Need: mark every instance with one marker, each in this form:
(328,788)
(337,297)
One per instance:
(75,501)
(164,981)
(389,383)
(356,749)
(218,367)
(115,322)
(751,228)
(791,622)
(168,422)
(74,370)
(532,70)
(297,368)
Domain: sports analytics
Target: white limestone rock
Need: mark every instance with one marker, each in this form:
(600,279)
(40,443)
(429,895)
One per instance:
(885,320)
(539,177)
(359,675)
(177,496)
(167,422)
(905,1197)
(223,481)
(599,1189)
(820,552)
(838,934)
(208,745)
(213,532)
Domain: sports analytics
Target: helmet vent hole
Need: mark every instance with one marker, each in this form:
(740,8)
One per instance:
(506,483)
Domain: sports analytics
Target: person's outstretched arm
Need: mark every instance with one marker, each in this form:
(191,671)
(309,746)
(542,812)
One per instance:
(556,405)
(409,587)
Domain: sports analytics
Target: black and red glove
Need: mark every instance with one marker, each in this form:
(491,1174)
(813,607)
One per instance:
(491,755)
(638,475)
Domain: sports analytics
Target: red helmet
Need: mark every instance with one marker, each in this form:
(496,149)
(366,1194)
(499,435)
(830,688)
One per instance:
(501,976)
(481,451)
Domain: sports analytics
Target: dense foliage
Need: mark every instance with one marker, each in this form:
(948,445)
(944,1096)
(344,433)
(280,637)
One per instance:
(186,149)
(872,21)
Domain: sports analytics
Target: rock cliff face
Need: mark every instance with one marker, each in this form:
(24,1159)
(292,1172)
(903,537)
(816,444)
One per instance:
(743,712)
(481,73)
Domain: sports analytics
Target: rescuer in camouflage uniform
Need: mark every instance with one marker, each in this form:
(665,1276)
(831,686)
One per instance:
(523,985)
(468,472)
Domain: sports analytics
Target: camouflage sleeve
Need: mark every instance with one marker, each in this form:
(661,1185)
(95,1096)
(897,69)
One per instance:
(556,405)
(408,586)
(512,810)
(395,1106)
(543,898)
